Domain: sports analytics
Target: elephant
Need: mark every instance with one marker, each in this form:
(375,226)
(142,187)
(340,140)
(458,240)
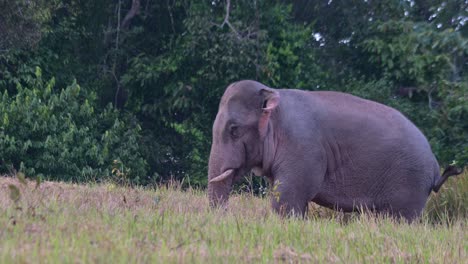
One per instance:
(334,149)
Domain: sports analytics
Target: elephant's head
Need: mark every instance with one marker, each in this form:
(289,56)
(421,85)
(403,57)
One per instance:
(239,132)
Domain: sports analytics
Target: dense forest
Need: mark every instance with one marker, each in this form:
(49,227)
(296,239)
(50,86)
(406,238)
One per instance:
(129,89)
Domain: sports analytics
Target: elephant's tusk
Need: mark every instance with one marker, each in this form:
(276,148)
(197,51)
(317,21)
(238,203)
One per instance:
(223,176)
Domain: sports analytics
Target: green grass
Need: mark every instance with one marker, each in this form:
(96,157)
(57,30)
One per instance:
(65,223)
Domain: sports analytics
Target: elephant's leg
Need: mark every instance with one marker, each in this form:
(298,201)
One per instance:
(291,198)
(401,213)
(407,205)
(297,179)
(408,213)
(286,203)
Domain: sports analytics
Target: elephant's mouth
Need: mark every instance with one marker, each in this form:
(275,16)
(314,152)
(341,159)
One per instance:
(224,176)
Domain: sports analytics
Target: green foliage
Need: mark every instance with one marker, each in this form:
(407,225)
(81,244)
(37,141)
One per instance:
(166,68)
(18,67)
(449,132)
(414,53)
(290,59)
(60,134)
(22,22)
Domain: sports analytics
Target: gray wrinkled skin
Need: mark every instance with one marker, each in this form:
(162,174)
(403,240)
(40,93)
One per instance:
(334,149)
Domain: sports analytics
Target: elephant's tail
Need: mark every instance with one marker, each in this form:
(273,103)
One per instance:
(449,171)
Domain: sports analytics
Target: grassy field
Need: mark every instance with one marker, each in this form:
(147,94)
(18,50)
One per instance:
(67,223)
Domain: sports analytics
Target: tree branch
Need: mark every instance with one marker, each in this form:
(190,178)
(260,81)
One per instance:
(134,10)
(171,16)
(118,25)
(226,20)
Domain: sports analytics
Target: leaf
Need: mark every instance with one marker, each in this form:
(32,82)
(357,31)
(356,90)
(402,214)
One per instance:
(21,178)
(38,72)
(38,182)
(15,194)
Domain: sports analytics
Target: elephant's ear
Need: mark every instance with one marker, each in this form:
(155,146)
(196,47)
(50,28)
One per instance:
(270,102)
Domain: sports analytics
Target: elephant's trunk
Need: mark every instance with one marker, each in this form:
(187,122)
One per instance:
(218,194)
(219,181)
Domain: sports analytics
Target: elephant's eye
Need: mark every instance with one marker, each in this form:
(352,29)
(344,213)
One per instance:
(234,131)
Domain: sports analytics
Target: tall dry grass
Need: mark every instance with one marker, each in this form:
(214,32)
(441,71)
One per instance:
(451,202)
(58,222)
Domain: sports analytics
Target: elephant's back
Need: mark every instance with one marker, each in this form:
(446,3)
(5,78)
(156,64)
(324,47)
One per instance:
(346,117)
(337,104)
(349,111)
(370,121)
(369,136)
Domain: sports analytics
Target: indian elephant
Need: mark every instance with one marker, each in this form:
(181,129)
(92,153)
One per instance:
(335,149)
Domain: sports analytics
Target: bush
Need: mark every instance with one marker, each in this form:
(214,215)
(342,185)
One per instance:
(58,133)
(450,202)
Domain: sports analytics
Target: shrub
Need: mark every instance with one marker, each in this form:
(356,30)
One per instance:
(59,134)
